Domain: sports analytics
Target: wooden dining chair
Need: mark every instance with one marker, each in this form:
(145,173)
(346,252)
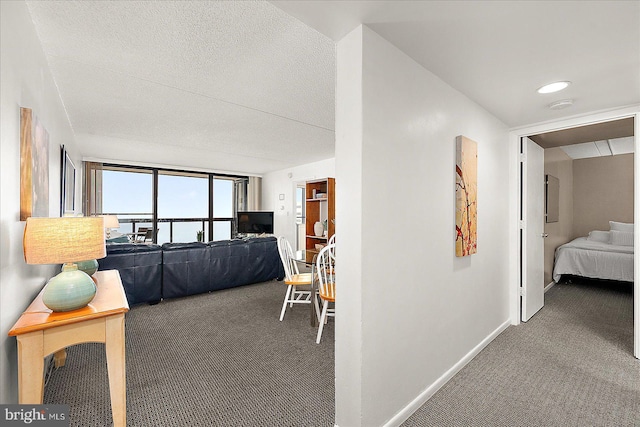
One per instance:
(332,242)
(325,269)
(293,278)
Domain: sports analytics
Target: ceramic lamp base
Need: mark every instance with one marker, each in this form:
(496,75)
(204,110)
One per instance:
(70,290)
(90,266)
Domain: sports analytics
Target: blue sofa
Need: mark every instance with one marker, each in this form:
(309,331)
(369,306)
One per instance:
(140,268)
(150,272)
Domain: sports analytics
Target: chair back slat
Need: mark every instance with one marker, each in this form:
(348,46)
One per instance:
(325,269)
(332,243)
(286,256)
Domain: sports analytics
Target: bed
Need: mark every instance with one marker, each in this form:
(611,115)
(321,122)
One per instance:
(602,255)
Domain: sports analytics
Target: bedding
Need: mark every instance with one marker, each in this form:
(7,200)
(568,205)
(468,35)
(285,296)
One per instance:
(621,226)
(621,238)
(594,259)
(599,236)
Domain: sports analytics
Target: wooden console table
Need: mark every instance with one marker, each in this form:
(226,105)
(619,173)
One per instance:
(40,332)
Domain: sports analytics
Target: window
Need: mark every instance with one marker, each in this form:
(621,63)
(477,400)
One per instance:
(179,205)
(183,207)
(223,211)
(128,193)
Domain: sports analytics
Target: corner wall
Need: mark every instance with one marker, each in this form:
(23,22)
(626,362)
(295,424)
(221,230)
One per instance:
(25,81)
(423,311)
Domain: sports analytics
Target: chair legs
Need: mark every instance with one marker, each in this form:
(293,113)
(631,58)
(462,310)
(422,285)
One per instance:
(294,296)
(323,317)
(286,300)
(326,313)
(317,310)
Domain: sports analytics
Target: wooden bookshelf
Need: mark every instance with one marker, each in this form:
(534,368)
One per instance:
(320,206)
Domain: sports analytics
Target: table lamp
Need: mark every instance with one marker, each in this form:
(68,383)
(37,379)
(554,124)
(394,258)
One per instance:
(110,221)
(65,241)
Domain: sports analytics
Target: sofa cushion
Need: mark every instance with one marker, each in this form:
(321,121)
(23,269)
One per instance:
(266,263)
(179,246)
(118,248)
(140,268)
(224,243)
(228,260)
(185,269)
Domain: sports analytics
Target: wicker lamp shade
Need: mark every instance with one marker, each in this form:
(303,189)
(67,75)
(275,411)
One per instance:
(66,240)
(63,240)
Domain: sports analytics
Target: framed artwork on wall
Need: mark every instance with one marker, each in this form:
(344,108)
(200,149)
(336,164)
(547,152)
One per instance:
(466,196)
(34,166)
(67,184)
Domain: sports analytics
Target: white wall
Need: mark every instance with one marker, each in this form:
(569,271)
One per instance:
(349,173)
(284,182)
(422,309)
(25,82)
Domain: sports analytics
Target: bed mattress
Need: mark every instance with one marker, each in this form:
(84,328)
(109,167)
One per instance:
(588,258)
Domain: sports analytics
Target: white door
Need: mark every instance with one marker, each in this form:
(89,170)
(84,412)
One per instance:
(532,230)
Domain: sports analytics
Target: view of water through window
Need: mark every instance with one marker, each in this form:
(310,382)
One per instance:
(183,203)
(130,194)
(182,197)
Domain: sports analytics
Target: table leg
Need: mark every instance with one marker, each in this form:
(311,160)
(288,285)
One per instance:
(30,368)
(115,349)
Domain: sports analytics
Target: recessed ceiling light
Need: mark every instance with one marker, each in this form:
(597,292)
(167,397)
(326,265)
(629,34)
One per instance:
(553,87)
(559,105)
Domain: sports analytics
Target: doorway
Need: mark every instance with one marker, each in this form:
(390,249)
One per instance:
(301,216)
(516,267)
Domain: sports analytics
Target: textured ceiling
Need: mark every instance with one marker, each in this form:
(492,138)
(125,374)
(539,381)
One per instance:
(499,52)
(231,86)
(249,86)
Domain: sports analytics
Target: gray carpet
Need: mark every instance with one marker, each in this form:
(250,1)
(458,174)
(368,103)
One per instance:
(570,365)
(219,359)
(223,359)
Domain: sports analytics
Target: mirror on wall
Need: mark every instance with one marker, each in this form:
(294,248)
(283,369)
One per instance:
(552,199)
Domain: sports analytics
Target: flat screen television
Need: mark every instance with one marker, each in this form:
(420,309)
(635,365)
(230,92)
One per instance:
(255,222)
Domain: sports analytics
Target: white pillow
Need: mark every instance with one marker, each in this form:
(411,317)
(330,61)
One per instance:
(599,236)
(621,238)
(621,226)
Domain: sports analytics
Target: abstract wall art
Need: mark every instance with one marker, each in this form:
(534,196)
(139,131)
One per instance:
(466,196)
(34,166)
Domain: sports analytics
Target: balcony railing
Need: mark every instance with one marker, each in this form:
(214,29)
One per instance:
(146,220)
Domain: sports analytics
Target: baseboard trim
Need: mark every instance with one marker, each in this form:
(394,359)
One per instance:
(549,286)
(413,406)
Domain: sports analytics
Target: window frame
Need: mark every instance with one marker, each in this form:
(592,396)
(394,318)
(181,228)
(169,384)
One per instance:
(94,180)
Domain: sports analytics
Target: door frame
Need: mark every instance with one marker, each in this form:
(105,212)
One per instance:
(514,202)
(298,185)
